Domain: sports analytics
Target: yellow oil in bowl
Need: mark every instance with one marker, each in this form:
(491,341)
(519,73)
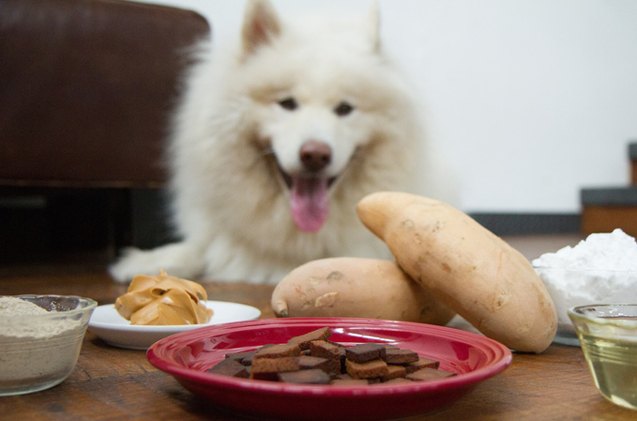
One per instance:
(608,337)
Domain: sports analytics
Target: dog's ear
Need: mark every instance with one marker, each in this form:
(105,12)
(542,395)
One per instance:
(373,23)
(260,25)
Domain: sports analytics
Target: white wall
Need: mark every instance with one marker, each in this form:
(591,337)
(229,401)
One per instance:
(528,100)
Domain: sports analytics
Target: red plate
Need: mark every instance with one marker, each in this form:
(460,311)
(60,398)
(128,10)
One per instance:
(188,355)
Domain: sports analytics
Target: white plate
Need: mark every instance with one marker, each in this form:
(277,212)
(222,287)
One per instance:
(115,330)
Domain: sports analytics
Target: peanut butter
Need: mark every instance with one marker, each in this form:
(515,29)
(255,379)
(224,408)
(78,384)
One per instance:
(163,300)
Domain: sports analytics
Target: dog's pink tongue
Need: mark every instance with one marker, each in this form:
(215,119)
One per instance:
(309,202)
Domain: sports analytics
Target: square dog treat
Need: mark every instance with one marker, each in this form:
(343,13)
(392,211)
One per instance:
(278,350)
(230,367)
(366,370)
(267,368)
(427,373)
(325,349)
(303,341)
(365,352)
(394,371)
(310,376)
(244,357)
(350,382)
(395,355)
(329,365)
(421,363)
(398,380)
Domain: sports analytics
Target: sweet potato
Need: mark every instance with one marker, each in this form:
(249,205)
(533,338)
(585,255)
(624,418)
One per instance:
(355,287)
(465,266)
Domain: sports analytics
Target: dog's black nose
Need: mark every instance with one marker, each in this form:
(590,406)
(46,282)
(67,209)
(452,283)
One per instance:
(315,155)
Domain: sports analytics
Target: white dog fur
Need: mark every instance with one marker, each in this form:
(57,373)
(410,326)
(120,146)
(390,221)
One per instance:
(287,83)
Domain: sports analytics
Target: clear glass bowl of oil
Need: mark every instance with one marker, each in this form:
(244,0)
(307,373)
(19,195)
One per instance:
(608,336)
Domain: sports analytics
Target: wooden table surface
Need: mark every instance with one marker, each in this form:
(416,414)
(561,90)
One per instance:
(117,384)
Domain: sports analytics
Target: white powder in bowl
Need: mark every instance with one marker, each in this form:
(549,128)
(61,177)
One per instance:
(615,250)
(28,327)
(600,269)
(39,347)
(13,306)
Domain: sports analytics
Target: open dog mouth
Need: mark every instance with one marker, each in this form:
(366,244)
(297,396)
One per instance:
(309,197)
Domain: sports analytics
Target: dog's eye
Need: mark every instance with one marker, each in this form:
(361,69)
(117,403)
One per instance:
(343,109)
(289,104)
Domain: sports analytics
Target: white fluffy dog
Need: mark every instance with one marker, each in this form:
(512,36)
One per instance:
(274,145)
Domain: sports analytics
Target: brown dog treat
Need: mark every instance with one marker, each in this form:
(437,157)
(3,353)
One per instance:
(267,368)
(244,357)
(230,367)
(366,370)
(425,374)
(329,365)
(303,341)
(365,352)
(277,351)
(395,355)
(398,380)
(311,376)
(394,371)
(325,349)
(309,361)
(421,363)
(350,382)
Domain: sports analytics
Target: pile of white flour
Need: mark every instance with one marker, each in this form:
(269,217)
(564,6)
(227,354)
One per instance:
(33,347)
(13,306)
(600,269)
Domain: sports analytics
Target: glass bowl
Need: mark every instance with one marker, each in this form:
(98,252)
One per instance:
(39,351)
(608,337)
(571,287)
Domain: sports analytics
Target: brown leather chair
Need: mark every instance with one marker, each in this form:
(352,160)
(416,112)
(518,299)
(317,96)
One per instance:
(86,91)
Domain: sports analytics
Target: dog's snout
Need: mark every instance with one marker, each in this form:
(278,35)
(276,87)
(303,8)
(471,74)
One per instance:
(315,155)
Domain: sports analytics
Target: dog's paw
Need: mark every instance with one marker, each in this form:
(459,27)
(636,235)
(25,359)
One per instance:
(177,259)
(126,267)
